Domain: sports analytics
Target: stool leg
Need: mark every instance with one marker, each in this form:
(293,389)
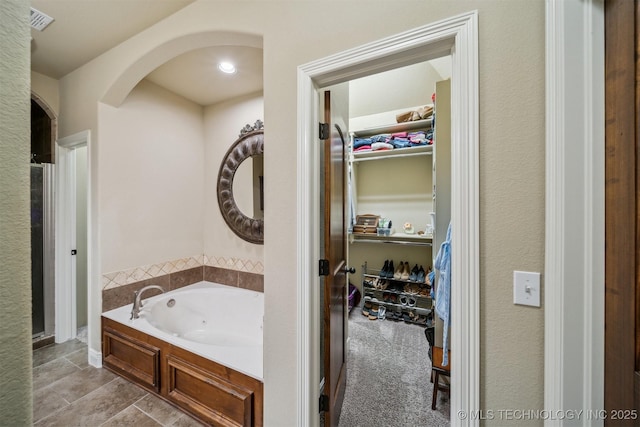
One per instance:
(435,389)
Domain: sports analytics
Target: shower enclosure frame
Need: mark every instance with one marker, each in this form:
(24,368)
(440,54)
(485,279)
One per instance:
(48,249)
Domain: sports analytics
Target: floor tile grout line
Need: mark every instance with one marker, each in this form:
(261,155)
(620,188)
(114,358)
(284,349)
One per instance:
(76,365)
(182,413)
(149,415)
(54,412)
(115,415)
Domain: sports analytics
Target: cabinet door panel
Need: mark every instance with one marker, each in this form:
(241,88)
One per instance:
(133,359)
(213,398)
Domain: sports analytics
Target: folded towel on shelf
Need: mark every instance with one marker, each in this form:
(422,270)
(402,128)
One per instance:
(359,142)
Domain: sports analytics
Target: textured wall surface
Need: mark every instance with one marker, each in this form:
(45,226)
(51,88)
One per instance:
(15,242)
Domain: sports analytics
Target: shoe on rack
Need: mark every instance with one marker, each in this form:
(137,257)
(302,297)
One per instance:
(373,313)
(421,275)
(398,274)
(383,272)
(386,296)
(406,271)
(414,273)
(390,270)
(366,308)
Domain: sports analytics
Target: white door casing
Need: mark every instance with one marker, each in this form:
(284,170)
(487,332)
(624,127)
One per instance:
(66,311)
(458,37)
(574,209)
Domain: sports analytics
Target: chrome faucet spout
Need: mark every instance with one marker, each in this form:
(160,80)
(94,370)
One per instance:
(137,300)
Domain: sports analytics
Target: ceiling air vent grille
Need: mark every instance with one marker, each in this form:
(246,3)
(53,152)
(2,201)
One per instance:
(40,20)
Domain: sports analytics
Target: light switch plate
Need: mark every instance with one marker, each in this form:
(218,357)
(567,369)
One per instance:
(526,288)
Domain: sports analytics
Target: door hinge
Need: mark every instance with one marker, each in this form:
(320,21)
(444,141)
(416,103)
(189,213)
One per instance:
(323,267)
(323,131)
(324,403)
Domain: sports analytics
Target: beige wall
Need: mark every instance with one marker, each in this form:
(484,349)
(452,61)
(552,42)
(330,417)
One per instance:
(222,124)
(47,89)
(404,87)
(151,179)
(15,241)
(511,58)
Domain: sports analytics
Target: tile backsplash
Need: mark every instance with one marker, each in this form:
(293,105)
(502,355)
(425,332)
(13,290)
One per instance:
(118,286)
(145,272)
(248,266)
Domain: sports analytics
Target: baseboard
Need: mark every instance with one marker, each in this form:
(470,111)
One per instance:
(95,358)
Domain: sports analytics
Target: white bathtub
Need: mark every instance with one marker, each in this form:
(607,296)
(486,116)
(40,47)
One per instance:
(218,322)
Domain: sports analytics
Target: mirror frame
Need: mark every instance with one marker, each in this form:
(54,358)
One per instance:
(250,143)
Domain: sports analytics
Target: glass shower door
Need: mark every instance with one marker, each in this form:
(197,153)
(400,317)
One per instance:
(37,251)
(42,250)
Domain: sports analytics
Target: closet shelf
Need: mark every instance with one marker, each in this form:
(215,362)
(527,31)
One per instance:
(396,239)
(395,127)
(419,310)
(420,150)
(377,276)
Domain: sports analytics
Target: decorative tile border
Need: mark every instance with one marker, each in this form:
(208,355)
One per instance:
(249,266)
(137,274)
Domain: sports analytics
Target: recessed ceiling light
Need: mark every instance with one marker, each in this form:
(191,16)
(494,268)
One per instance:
(227,67)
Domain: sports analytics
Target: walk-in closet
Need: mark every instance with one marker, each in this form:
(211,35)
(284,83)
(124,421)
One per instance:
(399,186)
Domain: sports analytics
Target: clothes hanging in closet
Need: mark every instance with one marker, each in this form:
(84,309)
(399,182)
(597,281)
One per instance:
(443,291)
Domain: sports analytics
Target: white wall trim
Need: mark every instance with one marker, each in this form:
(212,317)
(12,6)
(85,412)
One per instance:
(457,36)
(66,326)
(574,218)
(593,372)
(95,358)
(554,204)
(76,140)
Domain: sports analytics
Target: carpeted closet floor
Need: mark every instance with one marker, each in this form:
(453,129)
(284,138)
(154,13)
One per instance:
(388,373)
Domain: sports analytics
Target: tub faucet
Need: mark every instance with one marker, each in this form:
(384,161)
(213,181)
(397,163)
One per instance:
(137,297)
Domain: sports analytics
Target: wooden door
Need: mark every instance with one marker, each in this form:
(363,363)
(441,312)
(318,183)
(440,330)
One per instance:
(622,214)
(335,251)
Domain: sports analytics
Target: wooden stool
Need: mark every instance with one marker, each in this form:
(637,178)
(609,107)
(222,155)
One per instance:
(436,370)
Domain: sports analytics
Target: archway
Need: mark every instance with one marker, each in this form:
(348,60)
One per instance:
(162,53)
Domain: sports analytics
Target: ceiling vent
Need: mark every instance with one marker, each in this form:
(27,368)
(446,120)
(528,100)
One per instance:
(40,20)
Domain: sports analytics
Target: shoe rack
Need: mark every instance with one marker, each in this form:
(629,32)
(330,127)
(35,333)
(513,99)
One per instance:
(403,299)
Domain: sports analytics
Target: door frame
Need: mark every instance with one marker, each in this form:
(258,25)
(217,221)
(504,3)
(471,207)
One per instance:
(574,207)
(458,37)
(66,312)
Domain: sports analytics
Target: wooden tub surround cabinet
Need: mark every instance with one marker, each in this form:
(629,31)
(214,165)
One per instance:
(212,393)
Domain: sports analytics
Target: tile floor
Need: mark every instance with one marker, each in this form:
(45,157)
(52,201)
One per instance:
(68,392)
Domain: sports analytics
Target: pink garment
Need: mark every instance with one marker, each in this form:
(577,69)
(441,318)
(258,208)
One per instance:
(363,148)
(399,135)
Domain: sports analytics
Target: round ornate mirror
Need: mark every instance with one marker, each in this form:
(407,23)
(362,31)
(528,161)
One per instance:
(249,145)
